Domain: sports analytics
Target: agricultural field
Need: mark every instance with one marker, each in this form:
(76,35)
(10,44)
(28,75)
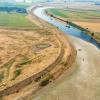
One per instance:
(77,15)
(88,19)
(15,16)
(25,53)
(15,20)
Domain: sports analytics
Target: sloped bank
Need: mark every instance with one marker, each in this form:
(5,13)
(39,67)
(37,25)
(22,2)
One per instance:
(90,33)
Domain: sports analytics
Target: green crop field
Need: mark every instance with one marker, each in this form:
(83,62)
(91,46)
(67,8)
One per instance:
(76,14)
(15,20)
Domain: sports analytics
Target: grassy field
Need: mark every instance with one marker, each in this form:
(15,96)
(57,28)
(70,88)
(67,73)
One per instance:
(15,20)
(81,15)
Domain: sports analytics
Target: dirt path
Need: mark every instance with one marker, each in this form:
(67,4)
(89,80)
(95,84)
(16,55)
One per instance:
(83,83)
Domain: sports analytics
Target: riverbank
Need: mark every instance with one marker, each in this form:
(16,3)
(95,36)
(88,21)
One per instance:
(79,26)
(84,78)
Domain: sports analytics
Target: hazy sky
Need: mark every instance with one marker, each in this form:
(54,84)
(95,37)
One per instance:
(45,0)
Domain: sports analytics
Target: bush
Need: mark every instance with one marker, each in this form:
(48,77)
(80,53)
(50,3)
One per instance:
(45,80)
(1,76)
(17,73)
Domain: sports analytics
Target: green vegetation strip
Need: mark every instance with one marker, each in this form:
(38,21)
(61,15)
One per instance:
(15,20)
(1,76)
(45,79)
(76,14)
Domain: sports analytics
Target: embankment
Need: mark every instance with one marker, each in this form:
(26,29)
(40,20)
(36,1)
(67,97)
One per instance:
(90,33)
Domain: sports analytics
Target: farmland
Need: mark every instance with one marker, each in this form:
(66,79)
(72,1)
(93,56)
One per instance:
(77,15)
(15,16)
(29,54)
(22,51)
(15,20)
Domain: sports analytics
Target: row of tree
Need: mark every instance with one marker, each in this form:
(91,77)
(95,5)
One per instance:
(13,9)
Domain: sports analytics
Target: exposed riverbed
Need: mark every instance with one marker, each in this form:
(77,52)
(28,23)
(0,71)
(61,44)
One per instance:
(67,29)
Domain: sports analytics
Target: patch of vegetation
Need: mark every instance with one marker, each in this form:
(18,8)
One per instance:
(45,79)
(64,63)
(76,14)
(1,76)
(97,35)
(24,62)
(44,45)
(1,98)
(79,27)
(15,20)
(37,79)
(9,63)
(58,13)
(21,5)
(13,9)
(17,73)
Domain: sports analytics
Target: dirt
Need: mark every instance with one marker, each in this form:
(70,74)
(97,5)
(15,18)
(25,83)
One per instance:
(92,26)
(82,83)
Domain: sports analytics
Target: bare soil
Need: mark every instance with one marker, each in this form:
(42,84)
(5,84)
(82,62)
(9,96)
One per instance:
(24,53)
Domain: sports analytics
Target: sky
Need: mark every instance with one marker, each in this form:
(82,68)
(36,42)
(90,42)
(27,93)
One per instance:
(66,0)
(45,0)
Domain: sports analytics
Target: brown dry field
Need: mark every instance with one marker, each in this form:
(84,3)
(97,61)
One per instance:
(25,53)
(92,26)
(22,51)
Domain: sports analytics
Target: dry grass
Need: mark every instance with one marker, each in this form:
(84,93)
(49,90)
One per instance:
(85,18)
(24,53)
(92,26)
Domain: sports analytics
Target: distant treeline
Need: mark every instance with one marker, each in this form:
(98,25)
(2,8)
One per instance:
(97,3)
(13,9)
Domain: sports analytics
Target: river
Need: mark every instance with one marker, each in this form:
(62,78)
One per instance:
(71,30)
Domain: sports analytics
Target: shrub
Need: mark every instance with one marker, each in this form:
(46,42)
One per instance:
(1,76)
(45,80)
(17,73)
